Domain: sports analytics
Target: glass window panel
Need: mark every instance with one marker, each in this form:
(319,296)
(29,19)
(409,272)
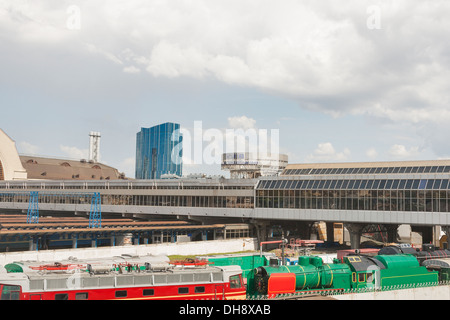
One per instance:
(416,184)
(409,184)
(339,171)
(402,184)
(316,183)
(308,184)
(440,169)
(272,184)
(372,170)
(369,184)
(366,170)
(345,170)
(376,184)
(437,183)
(382,184)
(345,184)
(388,184)
(314,171)
(339,184)
(420,170)
(444,184)
(395,184)
(430,184)
(402,170)
(283,184)
(423,184)
(396,170)
(321,183)
(298,171)
(333,171)
(298,185)
(363,184)
(277,184)
(328,171)
(427,169)
(378,170)
(356,185)
(434,169)
(389,170)
(408,170)
(333,184)
(414,169)
(447,169)
(327,184)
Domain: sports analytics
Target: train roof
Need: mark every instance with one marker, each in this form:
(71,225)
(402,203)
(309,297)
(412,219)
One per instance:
(442,263)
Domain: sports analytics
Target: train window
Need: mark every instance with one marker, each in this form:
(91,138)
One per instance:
(81,296)
(354,277)
(148,292)
(235,282)
(62,296)
(183,290)
(369,277)
(10,292)
(121,294)
(199,289)
(361,277)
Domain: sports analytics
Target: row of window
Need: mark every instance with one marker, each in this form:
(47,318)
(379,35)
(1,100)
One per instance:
(142,200)
(387,184)
(124,293)
(375,200)
(374,170)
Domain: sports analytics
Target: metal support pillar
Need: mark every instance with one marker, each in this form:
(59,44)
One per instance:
(75,241)
(33,208)
(355,230)
(95,215)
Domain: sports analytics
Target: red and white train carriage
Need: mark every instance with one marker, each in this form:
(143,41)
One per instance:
(103,280)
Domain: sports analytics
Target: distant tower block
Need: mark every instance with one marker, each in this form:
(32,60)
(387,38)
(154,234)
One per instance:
(94,146)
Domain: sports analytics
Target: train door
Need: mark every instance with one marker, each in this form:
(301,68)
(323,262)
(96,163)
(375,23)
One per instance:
(219,292)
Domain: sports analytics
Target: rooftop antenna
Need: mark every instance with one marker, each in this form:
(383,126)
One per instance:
(94,146)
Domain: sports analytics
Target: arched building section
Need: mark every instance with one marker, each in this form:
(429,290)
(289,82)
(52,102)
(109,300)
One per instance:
(10,165)
(2,176)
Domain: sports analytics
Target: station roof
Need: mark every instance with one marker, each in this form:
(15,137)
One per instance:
(415,163)
(62,169)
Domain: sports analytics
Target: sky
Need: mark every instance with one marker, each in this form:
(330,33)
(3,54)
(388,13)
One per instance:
(341,81)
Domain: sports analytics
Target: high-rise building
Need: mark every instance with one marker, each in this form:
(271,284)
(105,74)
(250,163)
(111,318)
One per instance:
(159,151)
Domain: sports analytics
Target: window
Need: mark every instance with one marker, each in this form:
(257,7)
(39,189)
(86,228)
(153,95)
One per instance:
(81,296)
(369,277)
(121,294)
(183,290)
(10,292)
(62,296)
(361,277)
(235,282)
(199,290)
(354,277)
(148,292)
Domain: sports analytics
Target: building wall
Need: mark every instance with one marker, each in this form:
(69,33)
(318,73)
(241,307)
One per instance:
(11,167)
(154,149)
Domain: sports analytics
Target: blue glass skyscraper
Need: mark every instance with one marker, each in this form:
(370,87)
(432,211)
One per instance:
(159,151)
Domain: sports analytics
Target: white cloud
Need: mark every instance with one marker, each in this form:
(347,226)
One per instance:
(371,153)
(131,69)
(28,148)
(400,151)
(74,152)
(326,152)
(242,122)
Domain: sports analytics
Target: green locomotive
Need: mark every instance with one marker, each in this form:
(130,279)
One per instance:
(357,272)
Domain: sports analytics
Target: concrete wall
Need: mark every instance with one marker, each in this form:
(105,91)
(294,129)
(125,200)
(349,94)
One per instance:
(185,248)
(427,293)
